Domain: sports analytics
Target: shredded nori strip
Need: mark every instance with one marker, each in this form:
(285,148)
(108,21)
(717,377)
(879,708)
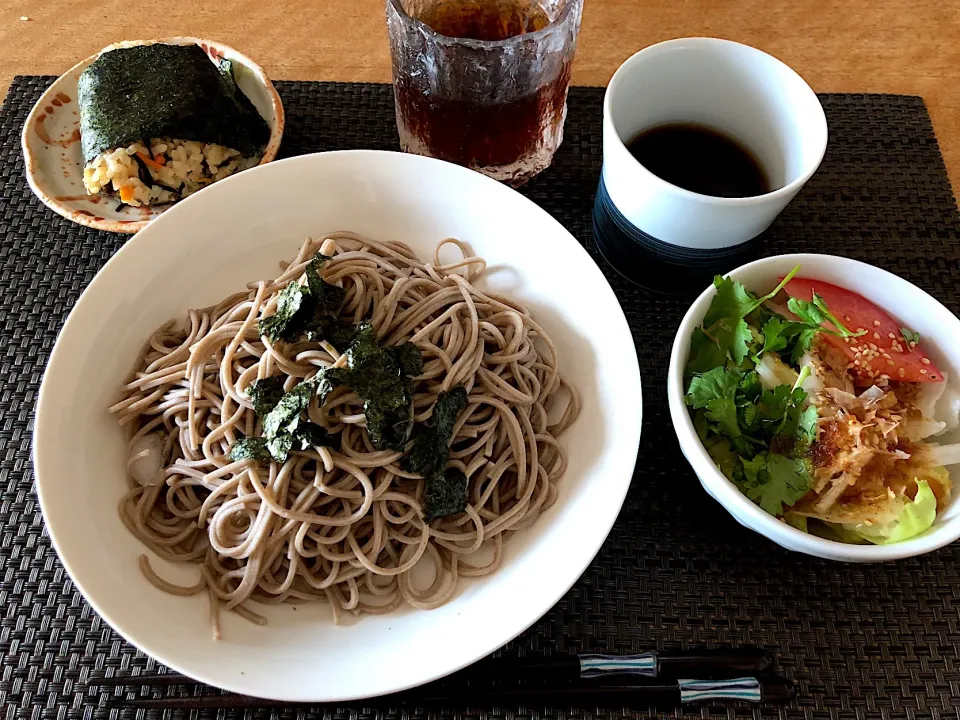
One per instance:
(160,90)
(164,186)
(143,172)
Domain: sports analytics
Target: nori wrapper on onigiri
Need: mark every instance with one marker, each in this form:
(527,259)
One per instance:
(173,91)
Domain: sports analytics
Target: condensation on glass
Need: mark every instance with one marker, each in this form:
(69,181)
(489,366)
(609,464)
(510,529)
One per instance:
(483,83)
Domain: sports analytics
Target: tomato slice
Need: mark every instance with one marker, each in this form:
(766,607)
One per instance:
(882,352)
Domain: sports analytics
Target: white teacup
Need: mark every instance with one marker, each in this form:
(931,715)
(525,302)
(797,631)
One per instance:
(651,230)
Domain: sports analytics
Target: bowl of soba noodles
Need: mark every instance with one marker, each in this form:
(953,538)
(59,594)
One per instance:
(337,426)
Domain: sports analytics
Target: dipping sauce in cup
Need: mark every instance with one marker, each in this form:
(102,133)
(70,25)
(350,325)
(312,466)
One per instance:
(483,83)
(705,142)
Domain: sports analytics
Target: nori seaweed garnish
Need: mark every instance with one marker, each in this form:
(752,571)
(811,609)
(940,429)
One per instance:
(336,332)
(250,449)
(385,388)
(409,358)
(445,494)
(282,325)
(265,394)
(309,310)
(445,490)
(160,90)
(328,297)
(285,415)
(284,427)
(431,444)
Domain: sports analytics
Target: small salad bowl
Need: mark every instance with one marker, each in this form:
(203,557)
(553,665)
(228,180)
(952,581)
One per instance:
(913,308)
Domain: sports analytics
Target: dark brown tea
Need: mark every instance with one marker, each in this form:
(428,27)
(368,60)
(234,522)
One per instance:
(701,160)
(483,110)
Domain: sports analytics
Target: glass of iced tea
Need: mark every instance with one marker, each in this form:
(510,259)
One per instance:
(483,83)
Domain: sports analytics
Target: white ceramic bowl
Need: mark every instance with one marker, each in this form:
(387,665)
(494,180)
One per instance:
(54,159)
(237,230)
(938,327)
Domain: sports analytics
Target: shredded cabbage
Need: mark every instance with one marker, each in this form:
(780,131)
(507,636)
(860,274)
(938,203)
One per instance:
(915,518)
(797,521)
(944,454)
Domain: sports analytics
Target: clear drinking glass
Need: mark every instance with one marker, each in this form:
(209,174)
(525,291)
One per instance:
(483,83)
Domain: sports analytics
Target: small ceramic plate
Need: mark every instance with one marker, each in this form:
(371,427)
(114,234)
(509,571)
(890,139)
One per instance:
(54,159)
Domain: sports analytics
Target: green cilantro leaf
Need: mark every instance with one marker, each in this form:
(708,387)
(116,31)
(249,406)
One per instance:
(806,311)
(807,426)
(777,482)
(803,343)
(912,338)
(815,312)
(723,411)
(732,300)
(750,387)
(774,337)
(705,353)
(701,425)
(725,319)
(778,334)
(717,383)
(752,469)
(748,416)
(774,403)
(734,338)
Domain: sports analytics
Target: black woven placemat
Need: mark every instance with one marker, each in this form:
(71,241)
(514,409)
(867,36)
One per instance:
(864,642)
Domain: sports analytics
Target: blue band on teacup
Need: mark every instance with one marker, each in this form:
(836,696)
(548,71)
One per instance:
(655,264)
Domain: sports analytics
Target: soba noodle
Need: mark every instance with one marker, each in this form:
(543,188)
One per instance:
(342,524)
